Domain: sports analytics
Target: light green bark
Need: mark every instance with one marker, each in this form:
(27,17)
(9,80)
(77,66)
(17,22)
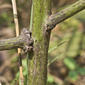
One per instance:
(37,64)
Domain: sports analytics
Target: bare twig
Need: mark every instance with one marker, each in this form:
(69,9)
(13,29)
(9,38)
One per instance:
(17,34)
(65,14)
(23,41)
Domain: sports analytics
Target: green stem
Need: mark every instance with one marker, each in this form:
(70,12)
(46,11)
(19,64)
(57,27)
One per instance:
(37,62)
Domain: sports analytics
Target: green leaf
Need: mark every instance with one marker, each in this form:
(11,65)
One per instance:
(70,63)
(81,71)
(73,75)
(50,79)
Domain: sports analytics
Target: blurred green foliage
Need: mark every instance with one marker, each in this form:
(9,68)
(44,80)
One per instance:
(50,79)
(7,19)
(24,63)
(70,63)
(73,34)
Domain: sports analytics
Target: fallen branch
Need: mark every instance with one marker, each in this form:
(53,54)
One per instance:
(64,14)
(23,41)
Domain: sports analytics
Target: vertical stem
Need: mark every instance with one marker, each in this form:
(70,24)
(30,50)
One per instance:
(15,17)
(37,64)
(17,34)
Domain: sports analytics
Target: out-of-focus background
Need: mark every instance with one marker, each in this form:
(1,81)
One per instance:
(66,60)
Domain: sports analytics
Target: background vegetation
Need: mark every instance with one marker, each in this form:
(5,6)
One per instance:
(66,62)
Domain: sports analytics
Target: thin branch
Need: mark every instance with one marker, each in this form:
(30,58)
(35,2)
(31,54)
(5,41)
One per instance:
(15,17)
(65,13)
(11,43)
(17,34)
(23,41)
